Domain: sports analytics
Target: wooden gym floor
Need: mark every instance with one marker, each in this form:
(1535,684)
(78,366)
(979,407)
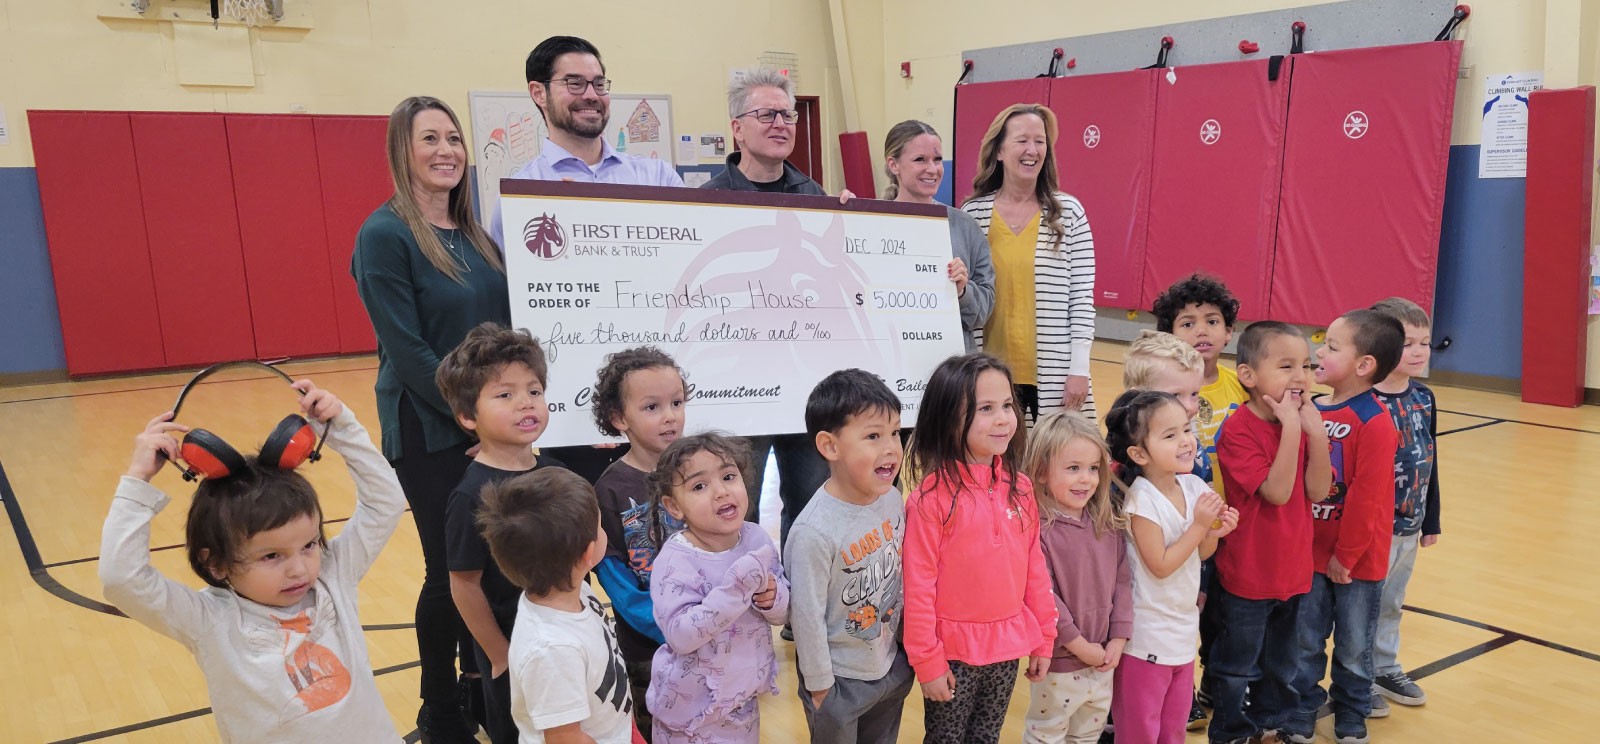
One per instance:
(1503,632)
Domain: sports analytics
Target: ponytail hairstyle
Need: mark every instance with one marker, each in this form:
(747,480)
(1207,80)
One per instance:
(1105,510)
(949,406)
(1128,425)
(669,474)
(895,143)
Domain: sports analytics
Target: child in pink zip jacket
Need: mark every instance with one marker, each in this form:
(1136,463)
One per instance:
(977,590)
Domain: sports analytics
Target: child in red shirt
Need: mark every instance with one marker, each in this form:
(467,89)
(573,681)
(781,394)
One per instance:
(1352,528)
(1273,453)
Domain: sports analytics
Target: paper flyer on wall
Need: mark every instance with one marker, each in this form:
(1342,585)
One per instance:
(1504,152)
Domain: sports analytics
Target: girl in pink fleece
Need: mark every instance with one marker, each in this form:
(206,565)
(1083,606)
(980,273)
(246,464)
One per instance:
(977,592)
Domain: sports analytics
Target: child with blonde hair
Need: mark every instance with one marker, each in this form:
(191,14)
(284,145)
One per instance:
(1084,547)
(1164,363)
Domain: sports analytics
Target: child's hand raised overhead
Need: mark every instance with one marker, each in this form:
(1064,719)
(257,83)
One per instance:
(154,446)
(317,404)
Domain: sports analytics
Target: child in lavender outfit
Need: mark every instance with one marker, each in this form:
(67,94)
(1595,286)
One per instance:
(717,588)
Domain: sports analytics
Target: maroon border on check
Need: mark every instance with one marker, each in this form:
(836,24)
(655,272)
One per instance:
(582,190)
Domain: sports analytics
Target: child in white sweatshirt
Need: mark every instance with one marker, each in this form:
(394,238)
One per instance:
(276,633)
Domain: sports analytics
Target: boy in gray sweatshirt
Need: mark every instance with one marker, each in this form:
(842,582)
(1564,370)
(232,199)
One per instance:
(843,558)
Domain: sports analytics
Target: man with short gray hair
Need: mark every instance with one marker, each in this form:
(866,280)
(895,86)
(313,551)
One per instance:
(761,105)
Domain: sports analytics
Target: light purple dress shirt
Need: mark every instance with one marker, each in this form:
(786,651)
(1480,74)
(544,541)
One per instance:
(556,164)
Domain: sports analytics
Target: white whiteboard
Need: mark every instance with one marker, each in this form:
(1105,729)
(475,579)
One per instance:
(507,131)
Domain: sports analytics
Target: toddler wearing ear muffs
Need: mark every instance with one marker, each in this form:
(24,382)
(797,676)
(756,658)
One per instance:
(276,633)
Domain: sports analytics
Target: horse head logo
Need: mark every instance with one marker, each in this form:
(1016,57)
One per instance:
(544,237)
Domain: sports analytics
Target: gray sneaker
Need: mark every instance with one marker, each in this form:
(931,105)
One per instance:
(1380,707)
(1399,688)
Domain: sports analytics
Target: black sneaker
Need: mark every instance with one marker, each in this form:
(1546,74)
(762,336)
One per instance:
(1349,727)
(445,725)
(787,634)
(1399,688)
(1197,717)
(1294,737)
(1203,695)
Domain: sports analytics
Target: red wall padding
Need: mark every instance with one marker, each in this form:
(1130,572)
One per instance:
(193,230)
(353,162)
(1360,212)
(1218,159)
(1556,237)
(855,158)
(279,195)
(1107,123)
(94,222)
(976,106)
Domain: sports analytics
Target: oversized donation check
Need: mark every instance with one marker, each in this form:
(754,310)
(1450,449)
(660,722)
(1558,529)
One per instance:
(757,296)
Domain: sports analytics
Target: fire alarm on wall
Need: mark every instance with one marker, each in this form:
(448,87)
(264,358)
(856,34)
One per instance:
(905,69)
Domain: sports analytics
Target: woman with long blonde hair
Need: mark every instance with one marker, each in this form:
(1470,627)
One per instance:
(428,273)
(1042,324)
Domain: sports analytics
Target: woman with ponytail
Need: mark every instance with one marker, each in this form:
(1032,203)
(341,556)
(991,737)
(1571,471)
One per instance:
(428,273)
(913,159)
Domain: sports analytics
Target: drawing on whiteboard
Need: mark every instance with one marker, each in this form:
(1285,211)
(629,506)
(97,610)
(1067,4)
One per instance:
(524,133)
(643,124)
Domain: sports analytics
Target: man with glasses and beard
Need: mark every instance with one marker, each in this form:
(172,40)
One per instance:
(567,81)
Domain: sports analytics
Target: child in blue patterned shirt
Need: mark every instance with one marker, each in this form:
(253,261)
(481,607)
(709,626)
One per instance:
(1416,491)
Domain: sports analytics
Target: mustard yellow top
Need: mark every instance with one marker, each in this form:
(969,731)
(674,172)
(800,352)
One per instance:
(1012,331)
(1218,401)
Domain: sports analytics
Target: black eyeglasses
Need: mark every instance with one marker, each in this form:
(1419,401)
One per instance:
(576,85)
(769,115)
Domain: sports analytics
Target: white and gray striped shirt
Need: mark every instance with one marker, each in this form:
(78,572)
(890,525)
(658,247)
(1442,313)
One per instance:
(1063,277)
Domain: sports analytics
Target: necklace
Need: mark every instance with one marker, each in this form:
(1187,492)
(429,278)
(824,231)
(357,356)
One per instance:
(456,252)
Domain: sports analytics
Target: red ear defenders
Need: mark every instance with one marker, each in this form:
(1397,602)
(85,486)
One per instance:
(206,455)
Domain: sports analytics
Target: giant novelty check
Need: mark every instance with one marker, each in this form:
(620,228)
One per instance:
(757,296)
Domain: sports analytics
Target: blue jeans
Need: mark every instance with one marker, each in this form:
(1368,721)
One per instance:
(1386,646)
(1348,612)
(1256,645)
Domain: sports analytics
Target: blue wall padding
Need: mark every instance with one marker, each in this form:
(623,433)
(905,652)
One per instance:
(1478,303)
(30,329)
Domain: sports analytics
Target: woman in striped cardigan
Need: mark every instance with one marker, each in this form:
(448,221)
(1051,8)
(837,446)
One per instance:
(1042,324)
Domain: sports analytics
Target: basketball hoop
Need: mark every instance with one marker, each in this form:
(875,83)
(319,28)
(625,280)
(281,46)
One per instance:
(253,12)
